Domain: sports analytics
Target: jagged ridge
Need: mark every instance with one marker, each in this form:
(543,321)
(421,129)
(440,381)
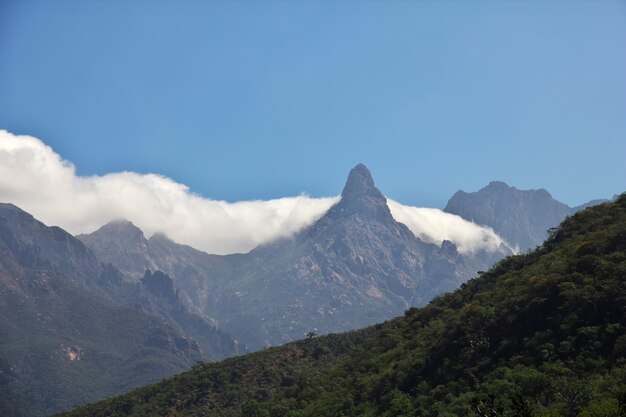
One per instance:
(542,333)
(354,266)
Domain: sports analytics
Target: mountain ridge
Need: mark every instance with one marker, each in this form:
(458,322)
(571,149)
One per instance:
(76,330)
(354,266)
(541,333)
(521,217)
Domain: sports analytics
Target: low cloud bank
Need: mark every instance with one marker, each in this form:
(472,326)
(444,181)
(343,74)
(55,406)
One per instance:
(35,178)
(434,226)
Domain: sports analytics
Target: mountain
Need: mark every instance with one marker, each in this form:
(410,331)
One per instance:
(354,266)
(540,334)
(123,244)
(74,330)
(593,203)
(521,217)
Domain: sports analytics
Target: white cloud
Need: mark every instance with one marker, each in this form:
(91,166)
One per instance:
(434,226)
(38,180)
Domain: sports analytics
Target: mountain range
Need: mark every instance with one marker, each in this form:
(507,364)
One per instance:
(521,217)
(354,266)
(541,334)
(74,329)
(95,315)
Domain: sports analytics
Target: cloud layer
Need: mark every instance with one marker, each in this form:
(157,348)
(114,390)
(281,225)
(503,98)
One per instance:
(35,178)
(434,226)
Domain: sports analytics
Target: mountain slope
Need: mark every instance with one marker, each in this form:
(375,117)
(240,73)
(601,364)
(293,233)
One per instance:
(356,265)
(122,242)
(198,274)
(353,267)
(521,217)
(156,296)
(542,334)
(73,331)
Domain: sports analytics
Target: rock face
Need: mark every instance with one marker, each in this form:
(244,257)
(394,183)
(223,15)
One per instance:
(521,217)
(157,296)
(75,330)
(125,243)
(355,266)
(196,273)
(160,285)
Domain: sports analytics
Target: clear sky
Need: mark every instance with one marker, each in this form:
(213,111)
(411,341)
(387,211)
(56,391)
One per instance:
(246,100)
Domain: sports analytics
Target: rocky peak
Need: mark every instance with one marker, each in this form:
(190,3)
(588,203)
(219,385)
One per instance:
(121,229)
(122,243)
(521,217)
(497,185)
(122,234)
(359,183)
(502,189)
(360,196)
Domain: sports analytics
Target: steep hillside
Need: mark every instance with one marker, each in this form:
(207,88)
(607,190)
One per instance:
(541,334)
(73,331)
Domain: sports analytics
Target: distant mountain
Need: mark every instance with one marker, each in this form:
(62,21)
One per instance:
(74,330)
(356,265)
(123,244)
(593,203)
(540,334)
(521,217)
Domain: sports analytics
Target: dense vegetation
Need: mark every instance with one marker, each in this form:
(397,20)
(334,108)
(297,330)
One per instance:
(540,334)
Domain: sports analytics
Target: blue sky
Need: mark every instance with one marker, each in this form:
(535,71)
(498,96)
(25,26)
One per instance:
(247,100)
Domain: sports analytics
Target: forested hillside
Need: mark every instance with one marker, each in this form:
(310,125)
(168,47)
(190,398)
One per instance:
(540,334)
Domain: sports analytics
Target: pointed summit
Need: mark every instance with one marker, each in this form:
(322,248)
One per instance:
(360,196)
(360,182)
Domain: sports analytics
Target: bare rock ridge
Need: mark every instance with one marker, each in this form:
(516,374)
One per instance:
(360,182)
(362,200)
(360,196)
(521,217)
(354,266)
(360,192)
(123,244)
